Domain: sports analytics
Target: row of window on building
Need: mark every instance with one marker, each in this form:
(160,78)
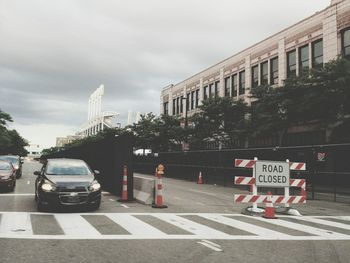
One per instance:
(235,86)
(95,129)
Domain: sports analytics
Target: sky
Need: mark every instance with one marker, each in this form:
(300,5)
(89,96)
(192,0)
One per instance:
(54,54)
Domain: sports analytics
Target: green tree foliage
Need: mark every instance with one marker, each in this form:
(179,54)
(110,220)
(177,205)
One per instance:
(10,141)
(162,133)
(219,119)
(320,98)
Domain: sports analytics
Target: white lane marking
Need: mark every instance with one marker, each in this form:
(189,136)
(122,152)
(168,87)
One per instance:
(111,200)
(199,203)
(256,230)
(125,206)
(177,198)
(135,226)
(16,224)
(211,243)
(324,222)
(28,182)
(74,224)
(190,226)
(208,245)
(303,228)
(202,192)
(16,195)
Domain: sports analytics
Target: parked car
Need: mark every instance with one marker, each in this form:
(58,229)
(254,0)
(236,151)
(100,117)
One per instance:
(66,182)
(16,162)
(7,175)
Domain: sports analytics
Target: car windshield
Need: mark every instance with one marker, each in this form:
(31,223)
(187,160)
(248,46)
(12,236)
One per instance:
(5,166)
(12,159)
(67,168)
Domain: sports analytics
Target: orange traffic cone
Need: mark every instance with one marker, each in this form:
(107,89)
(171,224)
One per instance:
(159,188)
(125,185)
(269,209)
(200,179)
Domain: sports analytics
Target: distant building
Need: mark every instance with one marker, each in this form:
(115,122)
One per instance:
(310,43)
(97,120)
(62,141)
(132,119)
(34,150)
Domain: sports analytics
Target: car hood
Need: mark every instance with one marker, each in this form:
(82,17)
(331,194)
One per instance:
(71,179)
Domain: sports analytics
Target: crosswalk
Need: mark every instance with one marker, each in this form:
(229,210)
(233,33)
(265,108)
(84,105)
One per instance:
(129,226)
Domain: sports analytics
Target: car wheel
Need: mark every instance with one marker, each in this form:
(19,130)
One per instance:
(12,188)
(95,206)
(39,205)
(19,175)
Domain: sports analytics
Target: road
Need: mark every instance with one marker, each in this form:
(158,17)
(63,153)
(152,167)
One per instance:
(201,224)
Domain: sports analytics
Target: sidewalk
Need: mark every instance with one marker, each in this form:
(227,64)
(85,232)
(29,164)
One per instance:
(184,196)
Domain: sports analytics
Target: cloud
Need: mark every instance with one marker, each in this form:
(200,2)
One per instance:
(54,54)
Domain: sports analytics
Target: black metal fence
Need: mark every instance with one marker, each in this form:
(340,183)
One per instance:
(327,174)
(108,155)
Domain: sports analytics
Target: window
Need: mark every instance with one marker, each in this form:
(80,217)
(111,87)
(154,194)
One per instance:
(188,102)
(264,73)
(241,82)
(317,53)
(205,93)
(211,90)
(192,100)
(227,86)
(303,59)
(197,98)
(255,76)
(345,39)
(274,71)
(234,85)
(291,64)
(181,104)
(174,104)
(177,105)
(216,93)
(165,108)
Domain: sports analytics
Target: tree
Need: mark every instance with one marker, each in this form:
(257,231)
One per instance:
(219,119)
(10,141)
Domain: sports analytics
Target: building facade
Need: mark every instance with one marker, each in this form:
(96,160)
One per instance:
(310,43)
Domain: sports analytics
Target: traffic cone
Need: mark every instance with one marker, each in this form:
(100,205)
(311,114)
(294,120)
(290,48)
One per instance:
(200,179)
(125,185)
(159,188)
(269,209)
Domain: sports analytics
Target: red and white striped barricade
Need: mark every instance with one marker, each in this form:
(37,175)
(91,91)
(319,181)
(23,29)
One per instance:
(255,198)
(276,199)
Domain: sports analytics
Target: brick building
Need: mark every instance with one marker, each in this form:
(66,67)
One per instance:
(309,43)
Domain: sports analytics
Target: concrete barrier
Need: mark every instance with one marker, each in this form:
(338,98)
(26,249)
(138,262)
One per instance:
(144,189)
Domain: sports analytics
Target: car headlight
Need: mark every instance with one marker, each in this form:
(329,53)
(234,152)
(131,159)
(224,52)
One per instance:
(94,186)
(16,166)
(48,187)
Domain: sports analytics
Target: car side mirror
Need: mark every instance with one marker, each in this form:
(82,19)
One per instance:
(37,173)
(96,172)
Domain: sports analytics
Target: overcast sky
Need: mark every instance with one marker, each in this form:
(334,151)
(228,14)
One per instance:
(54,54)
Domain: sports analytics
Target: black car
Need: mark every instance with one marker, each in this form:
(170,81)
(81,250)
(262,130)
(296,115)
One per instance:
(7,175)
(66,182)
(16,162)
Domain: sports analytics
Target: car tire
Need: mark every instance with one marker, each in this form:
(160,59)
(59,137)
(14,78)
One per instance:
(96,205)
(19,175)
(39,205)
(12,188)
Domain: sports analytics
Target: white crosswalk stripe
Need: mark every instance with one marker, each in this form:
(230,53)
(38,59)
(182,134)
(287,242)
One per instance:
(77,226)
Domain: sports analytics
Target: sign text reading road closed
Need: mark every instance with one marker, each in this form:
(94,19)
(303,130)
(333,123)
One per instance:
(272,174)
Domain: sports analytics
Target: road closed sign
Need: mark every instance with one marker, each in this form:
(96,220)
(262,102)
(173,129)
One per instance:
(272,174)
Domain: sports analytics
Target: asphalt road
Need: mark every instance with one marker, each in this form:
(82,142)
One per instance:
(201,224)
